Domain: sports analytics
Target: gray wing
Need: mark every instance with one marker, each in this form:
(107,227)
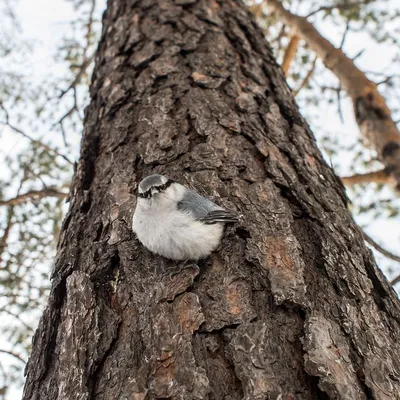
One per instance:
(204,210)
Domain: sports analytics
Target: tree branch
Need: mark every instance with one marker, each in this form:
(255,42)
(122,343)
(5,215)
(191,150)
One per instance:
(307,77)
(290,53)
(33,194)
(339,6)
(380,249)
(6,232)
(30,138)
(78,76)
(372,114)
(16,316)
(381,176)
(87,60)
(395,280)
(13,355)
(384,252)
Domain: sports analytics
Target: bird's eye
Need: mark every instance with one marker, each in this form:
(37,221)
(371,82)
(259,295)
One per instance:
(144,195)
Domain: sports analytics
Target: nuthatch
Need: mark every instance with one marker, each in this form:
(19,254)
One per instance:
(176,222)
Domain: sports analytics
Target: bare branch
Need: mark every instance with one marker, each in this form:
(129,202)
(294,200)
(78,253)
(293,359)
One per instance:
(33,194)
(345,34)
(359,54)
(10,216)
(87,60)
(30,138)
(383,251)
(307,77)
(78,76)
(16,316)
(13,355)
(395,280)
(340,6)
(290,53)
(6,233)
(73,109)
(89,29)
(381,176)
(379,248)
(339,103)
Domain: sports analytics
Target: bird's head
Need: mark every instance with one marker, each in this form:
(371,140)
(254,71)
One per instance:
(152,185)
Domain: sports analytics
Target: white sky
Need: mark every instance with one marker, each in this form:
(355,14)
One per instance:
(45,22)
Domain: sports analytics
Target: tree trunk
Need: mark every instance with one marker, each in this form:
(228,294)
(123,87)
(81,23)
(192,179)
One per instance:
(292,305)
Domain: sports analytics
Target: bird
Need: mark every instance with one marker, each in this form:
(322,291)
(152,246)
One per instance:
(176,222)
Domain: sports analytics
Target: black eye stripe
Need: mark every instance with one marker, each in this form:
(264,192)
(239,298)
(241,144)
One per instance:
(145,194)
(165,185)
(162,187)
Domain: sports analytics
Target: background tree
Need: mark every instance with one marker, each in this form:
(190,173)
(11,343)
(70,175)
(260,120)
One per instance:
(31,103)
(292,305)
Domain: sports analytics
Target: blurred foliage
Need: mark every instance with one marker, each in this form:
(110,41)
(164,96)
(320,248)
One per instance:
(41,124)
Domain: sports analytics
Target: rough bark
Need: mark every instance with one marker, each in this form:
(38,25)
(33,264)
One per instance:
(372,114)
(291,305)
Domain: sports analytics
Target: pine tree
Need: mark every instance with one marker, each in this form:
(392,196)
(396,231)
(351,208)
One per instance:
(291,306)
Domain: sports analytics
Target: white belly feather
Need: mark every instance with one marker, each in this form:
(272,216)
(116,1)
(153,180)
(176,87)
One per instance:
(176,235)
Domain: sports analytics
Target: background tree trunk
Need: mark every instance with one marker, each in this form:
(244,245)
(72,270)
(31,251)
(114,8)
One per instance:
(291,304)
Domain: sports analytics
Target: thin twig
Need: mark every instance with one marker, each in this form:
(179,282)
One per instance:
(359,54)
(379,248)
(339,99)
(37,176)
(13,354)
(16,316)
(10,216)
(384,252)
(278,39)
(89,28)
(86,60)
(307,77)
(345,34)
(395,280)
(78,76)
(6,232)
(386,80)
(340,6)
(25,135)
(73,109)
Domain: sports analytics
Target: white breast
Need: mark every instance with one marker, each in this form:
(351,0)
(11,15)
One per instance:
(172,233)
